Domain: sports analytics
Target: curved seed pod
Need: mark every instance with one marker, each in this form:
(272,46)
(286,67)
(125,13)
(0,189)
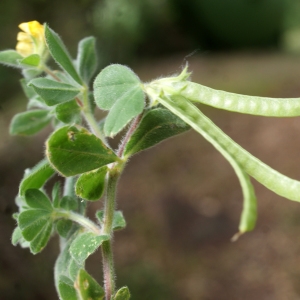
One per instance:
(249,213)
(273,180)
(262,106)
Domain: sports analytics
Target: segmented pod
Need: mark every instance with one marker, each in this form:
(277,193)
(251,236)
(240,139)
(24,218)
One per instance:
(249,212)
(273,180)
(262,106)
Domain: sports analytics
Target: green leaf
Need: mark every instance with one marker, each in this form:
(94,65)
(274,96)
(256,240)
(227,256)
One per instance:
(68,112)
(36,103)
(32,60)
(16,236)
(90,185)
(69,203)
(54,92)
(74,268)
(63,227)
(28,90)
(156,125)
(87,58)
(118,220)
(32,222)
(65,264)
(30,73)
(88,288)
(66,288)
(29,122)
(42,238)
(86,244)
(122,294)
(273,180)
(37,199)
(10,58)
(36,177)
(56,195)
(119,90)
(60,54)
(74,150)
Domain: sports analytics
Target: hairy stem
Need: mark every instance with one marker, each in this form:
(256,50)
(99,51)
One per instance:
(109,208)
(78,218)
(129,133)
(50,72)
(107,254)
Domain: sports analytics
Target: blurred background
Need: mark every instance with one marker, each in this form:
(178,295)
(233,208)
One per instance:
(181,199)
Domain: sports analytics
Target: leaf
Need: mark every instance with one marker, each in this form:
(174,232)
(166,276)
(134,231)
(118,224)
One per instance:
(54,92)
(69,203)
(29,122)
(32,60)
(63,227)
(32,222)
(36,103)
(60,54)
(122,294)
(118,220)
(66,288)
(56,195)
(65,264)
(36,177)
(10,58)
(119,90)
(90,185)
(273,180)
(86,244)
(74,268)
(68,112)
(28,90)
(87,287)
(30,73)
(41,240)
(16,236)
(155,126)
(73,150)
(87,58)
(37,199)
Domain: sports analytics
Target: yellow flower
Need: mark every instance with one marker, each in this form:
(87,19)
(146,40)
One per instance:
(31,39)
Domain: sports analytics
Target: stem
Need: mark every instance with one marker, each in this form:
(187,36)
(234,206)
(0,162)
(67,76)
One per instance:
(129,133)
(107,254)
(80,219)
(109,208)
(50,72)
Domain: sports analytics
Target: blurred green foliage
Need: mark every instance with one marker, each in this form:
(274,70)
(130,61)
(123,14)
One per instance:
(234,24)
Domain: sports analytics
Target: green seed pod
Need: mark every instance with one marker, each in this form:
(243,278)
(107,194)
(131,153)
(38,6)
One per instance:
(262,106)
(273,180)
